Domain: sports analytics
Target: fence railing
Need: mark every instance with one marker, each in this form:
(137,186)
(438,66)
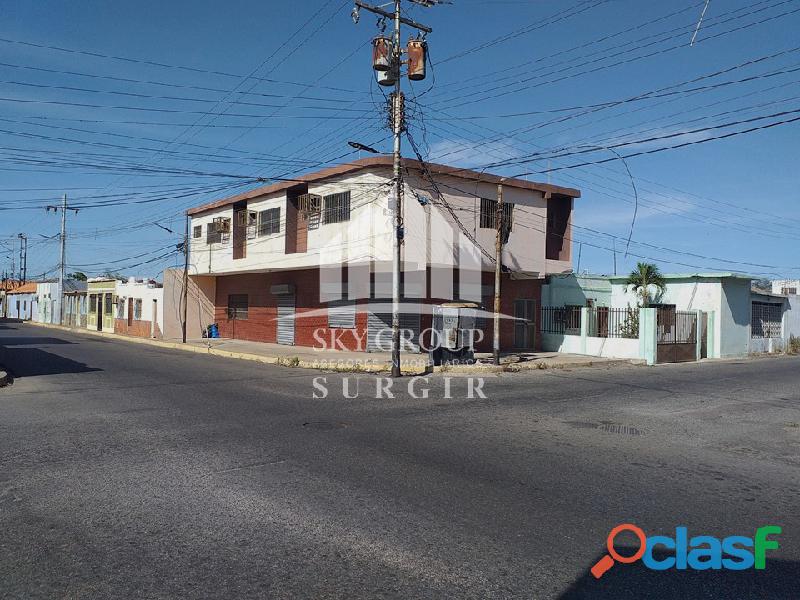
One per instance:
(605,322)
(565,320)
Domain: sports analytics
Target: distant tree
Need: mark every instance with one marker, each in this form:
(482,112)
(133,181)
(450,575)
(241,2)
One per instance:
(77,276)
(644,277)
(763,284)
(115,275)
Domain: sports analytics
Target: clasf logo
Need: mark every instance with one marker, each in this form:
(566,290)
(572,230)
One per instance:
(701,552)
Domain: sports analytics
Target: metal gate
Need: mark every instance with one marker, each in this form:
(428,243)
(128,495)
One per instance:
(379,328)
(524,324)
(677,335)
(286,319)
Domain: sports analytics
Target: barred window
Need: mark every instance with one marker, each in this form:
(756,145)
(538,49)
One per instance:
(137,309)
(337,208)
(269,221)
(237,306)
(789,291)
(489,214)
(218,231)
(120,308)
(197,231)
(92,303)
(766,320)
(108,306)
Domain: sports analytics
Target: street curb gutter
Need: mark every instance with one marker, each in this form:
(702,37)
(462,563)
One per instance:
(344,366)
(288,361)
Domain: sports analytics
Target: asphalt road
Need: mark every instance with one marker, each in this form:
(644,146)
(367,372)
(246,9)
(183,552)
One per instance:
(129,471)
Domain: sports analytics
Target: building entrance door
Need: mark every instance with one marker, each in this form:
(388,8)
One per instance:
(524,324)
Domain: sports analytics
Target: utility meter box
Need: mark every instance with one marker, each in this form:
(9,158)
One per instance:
(454,337)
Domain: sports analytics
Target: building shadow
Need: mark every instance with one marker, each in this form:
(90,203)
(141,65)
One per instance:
(26,340)
(634,581)
(30,362)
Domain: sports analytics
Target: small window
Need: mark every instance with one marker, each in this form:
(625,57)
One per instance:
(337,208)
(92,303)
(789,291)
(489,214)
(109,304)
(137,309)
(237,306)
(269,221)
(197,231)
(120,308)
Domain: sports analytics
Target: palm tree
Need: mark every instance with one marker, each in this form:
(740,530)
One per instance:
(642,278)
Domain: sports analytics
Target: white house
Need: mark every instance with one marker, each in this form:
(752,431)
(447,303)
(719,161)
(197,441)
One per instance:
(139,308)
(786,287)
(718,313)
(310,258)
(22,302)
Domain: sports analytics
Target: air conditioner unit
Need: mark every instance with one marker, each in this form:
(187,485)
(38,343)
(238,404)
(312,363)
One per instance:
(309,203)
(281,289)
(246,218)
(222,225)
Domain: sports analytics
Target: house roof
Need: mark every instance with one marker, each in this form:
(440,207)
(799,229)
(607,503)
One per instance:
(386,161)
(9,284)
(25,288)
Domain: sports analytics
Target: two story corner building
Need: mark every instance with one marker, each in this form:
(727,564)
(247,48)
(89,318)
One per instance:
(308,261)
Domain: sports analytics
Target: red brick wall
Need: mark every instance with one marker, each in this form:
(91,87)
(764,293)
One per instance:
(137,328)
(510,290)
(311,316)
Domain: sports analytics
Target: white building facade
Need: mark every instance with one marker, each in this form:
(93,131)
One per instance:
(287,253)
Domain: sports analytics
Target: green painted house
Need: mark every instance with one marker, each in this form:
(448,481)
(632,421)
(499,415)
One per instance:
(102,302)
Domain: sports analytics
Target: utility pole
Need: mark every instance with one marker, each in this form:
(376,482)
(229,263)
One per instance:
(498,261)
(397,123)
(61,271)
(13,265)
(185,279)
(63,262)
(614,242)
(23,257)
(388,61)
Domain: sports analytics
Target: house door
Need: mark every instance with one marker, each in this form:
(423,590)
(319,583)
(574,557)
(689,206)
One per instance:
(524,324)
(286,319)
(100,316)
(130,312)
(154,320)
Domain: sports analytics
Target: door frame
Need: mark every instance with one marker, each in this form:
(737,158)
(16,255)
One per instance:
(529,324)
(101,302)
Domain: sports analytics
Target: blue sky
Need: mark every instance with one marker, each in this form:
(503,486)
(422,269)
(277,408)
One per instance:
(509,80)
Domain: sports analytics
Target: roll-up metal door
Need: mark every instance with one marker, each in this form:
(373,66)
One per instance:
(286,319)
(379,328)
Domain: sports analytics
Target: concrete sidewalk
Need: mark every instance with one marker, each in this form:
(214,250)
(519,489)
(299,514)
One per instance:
(347,361)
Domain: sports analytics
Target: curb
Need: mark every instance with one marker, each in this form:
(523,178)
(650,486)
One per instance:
(291,361)
(346,366)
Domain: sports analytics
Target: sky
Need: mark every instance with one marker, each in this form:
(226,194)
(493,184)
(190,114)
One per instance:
(139,110)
